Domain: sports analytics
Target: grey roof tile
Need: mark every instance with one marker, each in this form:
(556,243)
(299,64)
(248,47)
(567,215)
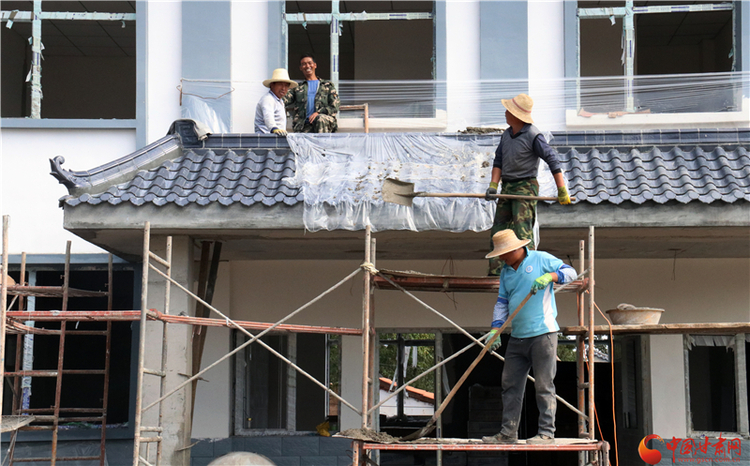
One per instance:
(640,174)
(202,176)
(614,167)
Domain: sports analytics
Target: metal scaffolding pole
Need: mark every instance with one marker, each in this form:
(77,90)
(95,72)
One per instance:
(3,303)
(592,420)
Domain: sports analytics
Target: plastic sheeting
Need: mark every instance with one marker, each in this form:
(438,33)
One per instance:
(341,177)
(418,104)
(208,102)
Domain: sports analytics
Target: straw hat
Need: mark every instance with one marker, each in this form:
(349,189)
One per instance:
(520,107)
(280,75)
(504,242)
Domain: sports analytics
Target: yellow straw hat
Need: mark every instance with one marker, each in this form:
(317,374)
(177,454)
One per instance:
(504,242)
(280,75)
(520,107)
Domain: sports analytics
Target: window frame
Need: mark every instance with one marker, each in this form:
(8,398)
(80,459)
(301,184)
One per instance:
(658,120)
(35,17)
(740,377)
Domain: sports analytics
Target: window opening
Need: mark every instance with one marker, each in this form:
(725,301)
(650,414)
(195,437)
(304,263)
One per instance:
(713,375)
(81,351)
(333,381)
(88,59)
(403,356)
(269,394)
(366,46)
(654,38)
(266,394)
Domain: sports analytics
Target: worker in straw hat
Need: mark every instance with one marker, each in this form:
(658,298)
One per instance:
(533,340)
(515,166)
(270,115)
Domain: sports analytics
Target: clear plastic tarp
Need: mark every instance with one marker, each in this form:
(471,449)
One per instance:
(648,101)
(342,176)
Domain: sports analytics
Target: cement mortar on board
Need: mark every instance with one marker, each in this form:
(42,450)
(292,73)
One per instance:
(367,435)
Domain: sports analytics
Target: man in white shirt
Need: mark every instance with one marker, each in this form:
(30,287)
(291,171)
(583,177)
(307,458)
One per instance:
(270,115)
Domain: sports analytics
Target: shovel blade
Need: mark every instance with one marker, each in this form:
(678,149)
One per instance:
(426,430)
(398,192)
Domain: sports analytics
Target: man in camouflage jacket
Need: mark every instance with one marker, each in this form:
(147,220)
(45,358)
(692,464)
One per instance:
(313,113)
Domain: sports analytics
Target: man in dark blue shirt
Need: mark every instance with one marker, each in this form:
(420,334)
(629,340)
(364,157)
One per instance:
(516,164)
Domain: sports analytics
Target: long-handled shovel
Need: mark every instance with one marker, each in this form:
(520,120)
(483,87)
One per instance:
(402,193)
(431,423)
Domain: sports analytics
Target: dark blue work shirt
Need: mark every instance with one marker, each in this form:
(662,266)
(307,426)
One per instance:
(522,151)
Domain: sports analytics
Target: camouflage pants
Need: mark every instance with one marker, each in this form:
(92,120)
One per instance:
(515,215)
(321,124)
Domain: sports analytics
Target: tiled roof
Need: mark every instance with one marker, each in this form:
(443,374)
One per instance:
(617,175)
(601,167)
(658,166)
(203,176)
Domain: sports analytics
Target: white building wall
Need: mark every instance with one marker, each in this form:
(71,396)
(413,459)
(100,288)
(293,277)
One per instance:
(29,194)
(462,56)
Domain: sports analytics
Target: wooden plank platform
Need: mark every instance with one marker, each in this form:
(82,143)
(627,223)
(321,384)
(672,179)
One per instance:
(417,281)
(521,446)
(716,328)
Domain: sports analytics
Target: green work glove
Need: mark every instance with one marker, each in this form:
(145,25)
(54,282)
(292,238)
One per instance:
(281,132)
(562,195)
(490,191)
(495,344)
(541,283)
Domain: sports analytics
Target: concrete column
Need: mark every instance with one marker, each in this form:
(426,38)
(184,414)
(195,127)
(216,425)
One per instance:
(159,68)
(351,383)
(547,68)
(213,399)
(668,401)
(462,46)
(250,57)
(176,408)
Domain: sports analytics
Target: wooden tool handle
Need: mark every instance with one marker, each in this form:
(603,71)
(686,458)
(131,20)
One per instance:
(493,196)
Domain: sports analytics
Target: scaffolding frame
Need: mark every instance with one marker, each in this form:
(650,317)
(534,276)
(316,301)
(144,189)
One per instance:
(24,418)
(373,278)
(590,450)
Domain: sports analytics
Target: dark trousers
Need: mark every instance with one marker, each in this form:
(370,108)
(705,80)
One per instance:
(522,354)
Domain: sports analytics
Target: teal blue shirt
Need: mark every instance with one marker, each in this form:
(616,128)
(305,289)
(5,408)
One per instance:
(539,314)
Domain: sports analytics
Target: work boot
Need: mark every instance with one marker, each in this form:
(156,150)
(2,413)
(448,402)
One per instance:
(500,438)
(540,439)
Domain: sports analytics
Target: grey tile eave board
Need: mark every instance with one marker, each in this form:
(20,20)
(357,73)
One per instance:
(280,216)
(646,215)
(174,218)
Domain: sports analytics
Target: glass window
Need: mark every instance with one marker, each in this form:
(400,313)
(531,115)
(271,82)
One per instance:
(270,394)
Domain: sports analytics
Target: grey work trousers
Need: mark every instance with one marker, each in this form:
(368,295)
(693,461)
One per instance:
(522,354)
